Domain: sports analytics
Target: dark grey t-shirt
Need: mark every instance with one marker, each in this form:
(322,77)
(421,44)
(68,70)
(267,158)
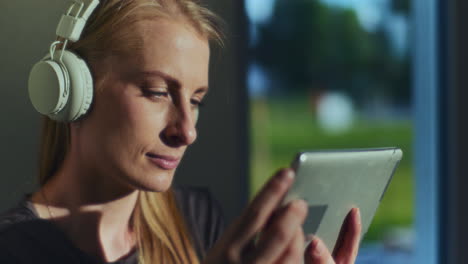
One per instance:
(27,239)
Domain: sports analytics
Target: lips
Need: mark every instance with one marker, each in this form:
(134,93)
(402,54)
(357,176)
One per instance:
(163,162)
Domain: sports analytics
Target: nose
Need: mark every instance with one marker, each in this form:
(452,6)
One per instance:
(181,130)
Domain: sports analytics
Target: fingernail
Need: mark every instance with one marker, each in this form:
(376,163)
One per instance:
(287,175)
(298,203)
(358,214)
(317,247)
(303,204)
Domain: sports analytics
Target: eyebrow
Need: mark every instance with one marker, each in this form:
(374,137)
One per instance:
(172,80)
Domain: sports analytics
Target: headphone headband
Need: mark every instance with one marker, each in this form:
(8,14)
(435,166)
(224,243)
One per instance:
(72,23)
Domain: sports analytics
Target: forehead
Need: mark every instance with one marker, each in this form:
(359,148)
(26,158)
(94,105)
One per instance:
(165,45)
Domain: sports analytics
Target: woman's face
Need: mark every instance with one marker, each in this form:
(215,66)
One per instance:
(146,106)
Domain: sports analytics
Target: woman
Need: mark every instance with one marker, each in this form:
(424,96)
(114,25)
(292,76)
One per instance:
(106,194)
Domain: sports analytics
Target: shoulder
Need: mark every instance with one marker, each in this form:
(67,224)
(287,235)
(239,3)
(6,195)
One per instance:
(25,238)
(9,234)
(203,215)
(18,214)
(19,227)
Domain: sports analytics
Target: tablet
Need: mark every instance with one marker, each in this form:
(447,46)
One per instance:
(333,182)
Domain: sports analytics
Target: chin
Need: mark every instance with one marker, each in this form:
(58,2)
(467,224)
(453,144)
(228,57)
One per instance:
(156,182)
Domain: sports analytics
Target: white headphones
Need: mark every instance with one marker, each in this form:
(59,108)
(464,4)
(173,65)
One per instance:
(60,85)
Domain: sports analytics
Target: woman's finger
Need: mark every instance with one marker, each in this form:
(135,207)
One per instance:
(294,253)
(262,207)
(347,247)
(280,233)
(317,253)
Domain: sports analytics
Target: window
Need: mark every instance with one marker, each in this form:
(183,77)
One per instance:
(335,74)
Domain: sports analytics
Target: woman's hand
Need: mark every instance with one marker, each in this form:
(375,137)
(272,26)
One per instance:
(282,238)
(346,248)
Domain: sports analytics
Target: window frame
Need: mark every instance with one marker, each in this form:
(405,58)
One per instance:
(429,117)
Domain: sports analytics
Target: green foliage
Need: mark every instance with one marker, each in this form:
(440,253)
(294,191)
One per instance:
(309,46)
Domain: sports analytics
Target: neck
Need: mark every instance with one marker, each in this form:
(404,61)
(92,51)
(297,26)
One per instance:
(93,214)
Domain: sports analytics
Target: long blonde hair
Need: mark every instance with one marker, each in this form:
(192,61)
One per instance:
(162,234)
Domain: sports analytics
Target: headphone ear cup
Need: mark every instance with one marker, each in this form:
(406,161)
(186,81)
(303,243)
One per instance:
(81,88)
(48,87)
(61,90)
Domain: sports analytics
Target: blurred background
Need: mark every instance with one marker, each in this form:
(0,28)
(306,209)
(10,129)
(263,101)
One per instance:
(335,74)
(301,75)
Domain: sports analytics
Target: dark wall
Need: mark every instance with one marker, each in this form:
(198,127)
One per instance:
(25,35)
(218,158)
(454,64)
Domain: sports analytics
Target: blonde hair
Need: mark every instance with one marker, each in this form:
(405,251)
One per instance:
(162,234)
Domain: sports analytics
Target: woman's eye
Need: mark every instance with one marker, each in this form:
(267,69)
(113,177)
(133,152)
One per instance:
(156,94)
(197,103)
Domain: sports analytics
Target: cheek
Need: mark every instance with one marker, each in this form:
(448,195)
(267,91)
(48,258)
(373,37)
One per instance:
(143,116)
(127,123)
